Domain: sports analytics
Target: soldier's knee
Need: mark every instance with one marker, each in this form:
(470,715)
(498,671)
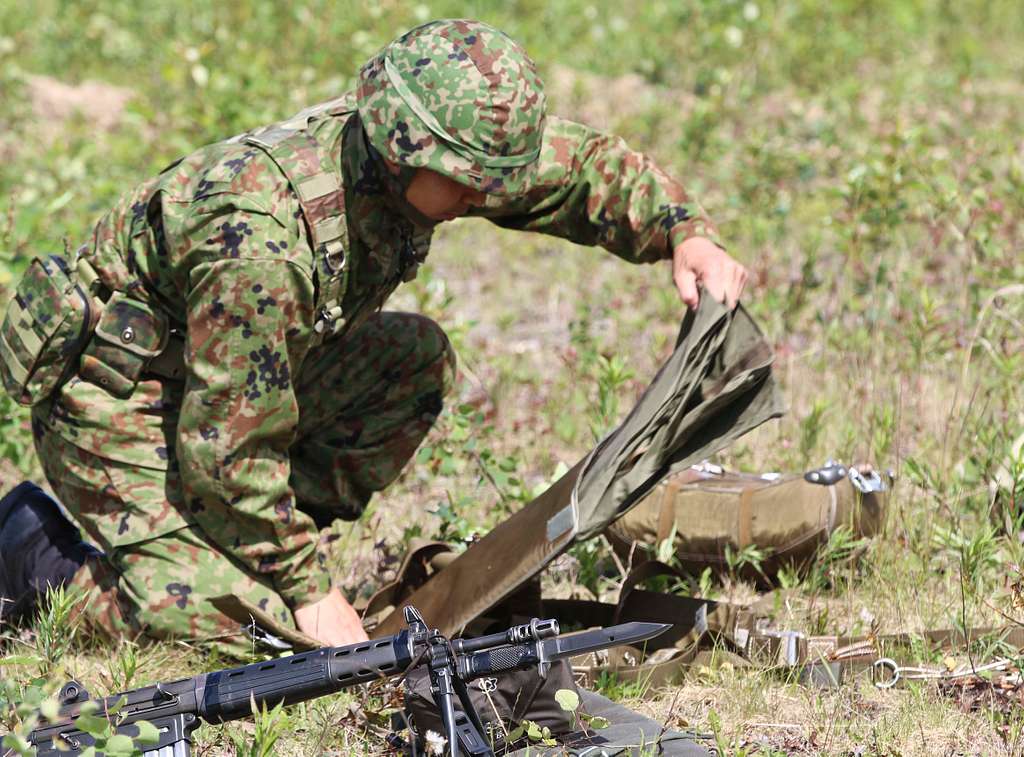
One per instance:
(430,352)
(439,352)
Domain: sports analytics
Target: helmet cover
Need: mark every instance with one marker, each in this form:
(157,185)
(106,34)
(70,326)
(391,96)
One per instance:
(460,98)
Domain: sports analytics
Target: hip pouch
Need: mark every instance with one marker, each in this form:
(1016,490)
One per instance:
(128,336)
(44,329)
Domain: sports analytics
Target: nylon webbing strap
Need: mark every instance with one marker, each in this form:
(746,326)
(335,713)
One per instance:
(170,363)
(667,511)
(23,326)
(87,275)
(322,201)
(18,370)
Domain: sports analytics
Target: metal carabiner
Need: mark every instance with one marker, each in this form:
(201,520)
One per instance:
(885,663)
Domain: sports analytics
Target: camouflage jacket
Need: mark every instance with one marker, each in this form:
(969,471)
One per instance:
(217,242)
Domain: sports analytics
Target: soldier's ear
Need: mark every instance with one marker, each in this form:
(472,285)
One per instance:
(393,168)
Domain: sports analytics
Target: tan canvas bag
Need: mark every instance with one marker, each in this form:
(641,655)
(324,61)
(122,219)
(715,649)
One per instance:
(709,512)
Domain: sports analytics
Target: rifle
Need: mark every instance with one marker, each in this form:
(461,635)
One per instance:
(176,708)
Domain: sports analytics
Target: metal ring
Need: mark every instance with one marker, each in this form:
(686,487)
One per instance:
(488,685)
(883,664)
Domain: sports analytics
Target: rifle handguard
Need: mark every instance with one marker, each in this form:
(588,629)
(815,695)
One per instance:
(303,676)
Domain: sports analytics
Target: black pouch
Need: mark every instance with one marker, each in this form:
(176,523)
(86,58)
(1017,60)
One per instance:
(128,336)
(503,702)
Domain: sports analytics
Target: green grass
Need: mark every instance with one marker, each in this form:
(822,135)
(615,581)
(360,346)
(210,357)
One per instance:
(864,160)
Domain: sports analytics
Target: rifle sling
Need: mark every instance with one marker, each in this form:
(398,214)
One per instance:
(243,611)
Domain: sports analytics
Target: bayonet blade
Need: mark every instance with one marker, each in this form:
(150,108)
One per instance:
(562,647)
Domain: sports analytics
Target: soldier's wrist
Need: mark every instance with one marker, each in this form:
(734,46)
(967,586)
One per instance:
(691,229)
(299,590)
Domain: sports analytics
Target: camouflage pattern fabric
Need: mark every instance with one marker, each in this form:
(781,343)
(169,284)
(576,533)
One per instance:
(129,333)
(218,244)
(365,403)
(45,322)
(458,97)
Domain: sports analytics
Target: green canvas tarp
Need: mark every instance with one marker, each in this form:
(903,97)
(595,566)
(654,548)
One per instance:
(715,387)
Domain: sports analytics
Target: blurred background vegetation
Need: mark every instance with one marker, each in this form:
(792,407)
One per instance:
(863,157)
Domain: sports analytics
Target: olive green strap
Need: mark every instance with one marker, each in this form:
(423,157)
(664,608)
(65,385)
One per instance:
(744,517)
(416,567)
(322,200)
(244,612)
(667,510)
(714,387)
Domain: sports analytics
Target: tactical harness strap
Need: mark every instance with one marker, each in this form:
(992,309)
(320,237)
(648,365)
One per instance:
(321,199)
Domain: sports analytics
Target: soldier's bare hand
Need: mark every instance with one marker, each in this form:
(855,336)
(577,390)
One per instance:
(332,621)
(699,261)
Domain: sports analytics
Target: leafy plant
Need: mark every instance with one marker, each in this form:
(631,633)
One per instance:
(102,727)
(610,685)
(751,556)
(535,733)
(270,726)
(841,550)
(56,625)
(569,701)
(20,704)
(612,374)
(124,666)
(23,705)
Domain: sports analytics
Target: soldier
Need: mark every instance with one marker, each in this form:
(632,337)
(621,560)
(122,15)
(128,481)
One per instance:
(242,388)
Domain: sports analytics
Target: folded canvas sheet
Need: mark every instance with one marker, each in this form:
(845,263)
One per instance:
(629,734)
(715,387)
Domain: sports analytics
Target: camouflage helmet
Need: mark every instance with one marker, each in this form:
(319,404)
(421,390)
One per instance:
(458,97)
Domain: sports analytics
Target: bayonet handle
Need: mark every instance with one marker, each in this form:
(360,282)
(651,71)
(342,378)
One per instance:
(499,659)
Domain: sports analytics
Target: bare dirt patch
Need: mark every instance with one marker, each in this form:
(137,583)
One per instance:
(53,102)
(606,101)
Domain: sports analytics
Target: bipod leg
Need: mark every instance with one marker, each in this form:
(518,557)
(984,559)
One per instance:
(444,697)
(473,716)
(462,729)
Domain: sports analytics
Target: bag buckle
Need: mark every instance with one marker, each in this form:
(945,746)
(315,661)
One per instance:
(867,483)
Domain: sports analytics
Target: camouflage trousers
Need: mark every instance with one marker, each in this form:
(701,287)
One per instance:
(366,402)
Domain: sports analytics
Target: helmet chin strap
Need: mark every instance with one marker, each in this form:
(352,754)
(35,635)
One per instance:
(396,184)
